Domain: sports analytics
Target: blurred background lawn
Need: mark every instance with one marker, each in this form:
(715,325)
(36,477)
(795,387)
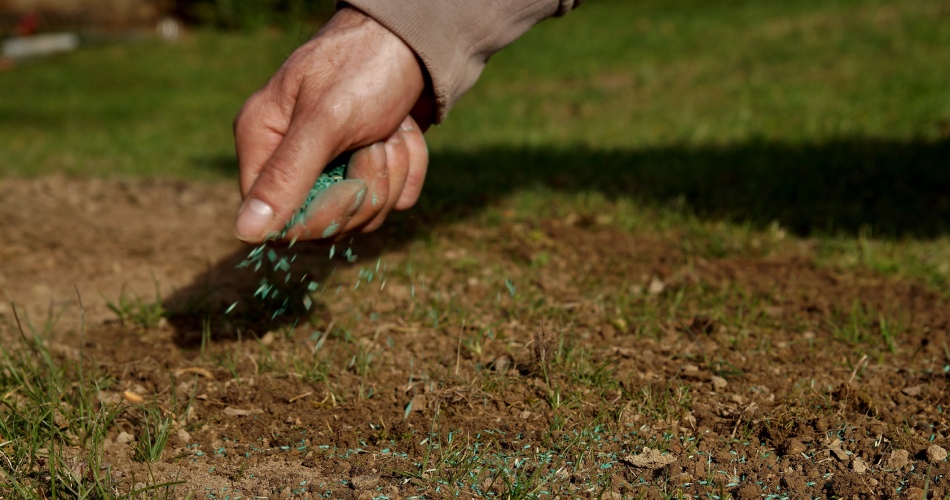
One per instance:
(822,116)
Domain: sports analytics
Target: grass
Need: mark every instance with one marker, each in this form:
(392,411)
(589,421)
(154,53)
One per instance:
(740,130)
(135,311)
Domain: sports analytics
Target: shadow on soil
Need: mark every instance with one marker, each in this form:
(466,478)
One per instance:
(898,189)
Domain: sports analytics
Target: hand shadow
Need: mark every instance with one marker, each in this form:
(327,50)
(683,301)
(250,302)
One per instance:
(887,188)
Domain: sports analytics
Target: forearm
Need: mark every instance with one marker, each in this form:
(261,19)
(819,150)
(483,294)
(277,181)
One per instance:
(455,38)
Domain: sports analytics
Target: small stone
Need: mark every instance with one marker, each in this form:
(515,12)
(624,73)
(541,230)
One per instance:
(936,454)
(656,287)
(183,436)
(840,454)
(859,466)
(794,447)
(124,438)
(364,482)
(897,460)
(719,383)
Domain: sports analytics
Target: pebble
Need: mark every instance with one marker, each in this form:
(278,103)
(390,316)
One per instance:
(124,438)
(859,466)
(936,454)
(183,436)
(719,383)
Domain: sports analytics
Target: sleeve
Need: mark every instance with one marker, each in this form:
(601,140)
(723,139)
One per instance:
(455,38)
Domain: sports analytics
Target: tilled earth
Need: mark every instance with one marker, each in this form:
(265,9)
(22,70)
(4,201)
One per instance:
(482,358)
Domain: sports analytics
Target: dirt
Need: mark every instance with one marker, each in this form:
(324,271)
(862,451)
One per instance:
(562,353)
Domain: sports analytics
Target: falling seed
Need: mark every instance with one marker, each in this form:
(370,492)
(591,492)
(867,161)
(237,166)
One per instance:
(511,287)
(332,250)
(334,172)
(231,308)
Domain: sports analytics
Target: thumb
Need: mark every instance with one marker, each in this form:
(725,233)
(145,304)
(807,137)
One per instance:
(282,185)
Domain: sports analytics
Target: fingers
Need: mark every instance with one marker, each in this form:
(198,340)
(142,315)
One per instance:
(391,171)
(418,164)
(330,210)
(338,210)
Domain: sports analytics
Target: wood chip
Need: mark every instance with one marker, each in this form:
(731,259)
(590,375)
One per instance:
(238,412)
(194,370)
(132,397)
(301,396)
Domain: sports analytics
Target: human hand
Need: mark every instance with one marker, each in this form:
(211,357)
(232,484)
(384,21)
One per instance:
(351,87)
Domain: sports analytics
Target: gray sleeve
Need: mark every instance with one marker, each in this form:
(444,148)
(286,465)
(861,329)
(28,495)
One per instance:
(455,38)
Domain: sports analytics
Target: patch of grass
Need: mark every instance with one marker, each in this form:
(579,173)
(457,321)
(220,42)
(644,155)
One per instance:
(136,311)
(53,427)
(153,435)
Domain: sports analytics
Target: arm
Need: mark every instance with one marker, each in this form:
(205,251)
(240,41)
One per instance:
(455,38)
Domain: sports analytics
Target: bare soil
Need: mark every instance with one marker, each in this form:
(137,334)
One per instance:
(759,374)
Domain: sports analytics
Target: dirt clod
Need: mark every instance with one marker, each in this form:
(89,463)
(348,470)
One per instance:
(936,453)
(897,460)
(364,482)
(650,459)
(794,447)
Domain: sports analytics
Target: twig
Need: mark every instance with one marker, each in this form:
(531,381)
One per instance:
(854,372)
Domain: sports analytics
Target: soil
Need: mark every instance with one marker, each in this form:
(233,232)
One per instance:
(553,353)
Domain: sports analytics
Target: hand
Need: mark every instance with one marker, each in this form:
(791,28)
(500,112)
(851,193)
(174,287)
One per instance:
(351,87)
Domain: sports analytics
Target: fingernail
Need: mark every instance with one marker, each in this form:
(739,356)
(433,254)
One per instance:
(407,126)
(253,220)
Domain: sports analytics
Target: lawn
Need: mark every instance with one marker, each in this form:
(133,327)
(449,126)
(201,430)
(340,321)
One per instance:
(664,249)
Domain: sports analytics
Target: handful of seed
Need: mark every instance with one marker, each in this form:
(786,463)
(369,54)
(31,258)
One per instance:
(263,258)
